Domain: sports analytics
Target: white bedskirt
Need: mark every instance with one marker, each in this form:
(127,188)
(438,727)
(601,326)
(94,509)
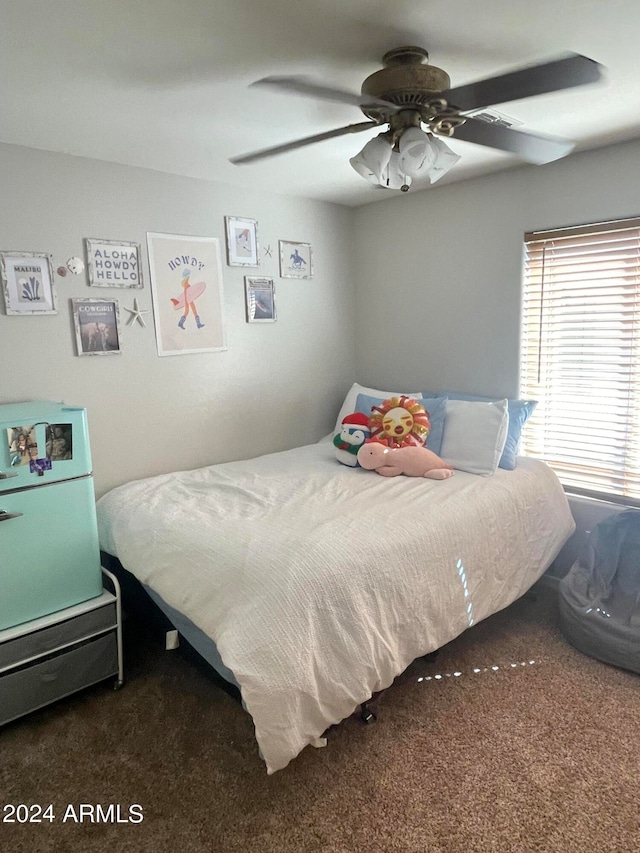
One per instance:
(320,583)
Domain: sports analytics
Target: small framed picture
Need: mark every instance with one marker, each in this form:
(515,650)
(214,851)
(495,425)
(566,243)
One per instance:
(23,444)
(27,283)
(97,323)
(113,263)
(242,241)
(295,260)
(260,300)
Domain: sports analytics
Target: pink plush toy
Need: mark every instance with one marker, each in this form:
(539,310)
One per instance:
(412,461)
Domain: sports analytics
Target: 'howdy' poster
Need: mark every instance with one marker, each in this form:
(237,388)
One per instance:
(186,286)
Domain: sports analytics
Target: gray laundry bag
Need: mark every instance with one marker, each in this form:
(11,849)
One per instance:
(600,595)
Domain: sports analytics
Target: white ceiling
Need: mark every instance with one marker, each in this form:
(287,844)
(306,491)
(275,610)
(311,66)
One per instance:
(163,84)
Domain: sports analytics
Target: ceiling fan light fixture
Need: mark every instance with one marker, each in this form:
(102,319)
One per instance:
(372,161)
(420,154)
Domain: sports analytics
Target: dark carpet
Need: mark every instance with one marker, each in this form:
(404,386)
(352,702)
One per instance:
(538,750)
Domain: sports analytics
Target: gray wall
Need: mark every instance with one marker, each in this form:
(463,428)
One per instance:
(439,272)
(278,385)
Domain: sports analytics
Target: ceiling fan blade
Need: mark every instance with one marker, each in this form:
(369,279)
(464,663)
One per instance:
(305,86)
(564,73)
(299,143)
(528,146)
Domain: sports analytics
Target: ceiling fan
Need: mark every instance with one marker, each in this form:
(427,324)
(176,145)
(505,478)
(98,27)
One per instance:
(408,94)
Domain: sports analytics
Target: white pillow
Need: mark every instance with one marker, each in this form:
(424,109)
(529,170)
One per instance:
(474,435)
(349,405)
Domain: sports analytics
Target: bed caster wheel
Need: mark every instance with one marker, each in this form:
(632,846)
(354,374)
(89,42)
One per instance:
(367,715)
(117,685)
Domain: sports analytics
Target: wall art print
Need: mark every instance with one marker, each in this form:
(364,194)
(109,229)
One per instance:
(186,290)
(260,300)
(295,260)
(113,263)
(27,283)
(242,241)
(97,324)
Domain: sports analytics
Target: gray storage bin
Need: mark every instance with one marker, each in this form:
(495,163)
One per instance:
(27,689)
(54,636)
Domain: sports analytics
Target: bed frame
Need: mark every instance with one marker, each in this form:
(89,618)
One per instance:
(138,605)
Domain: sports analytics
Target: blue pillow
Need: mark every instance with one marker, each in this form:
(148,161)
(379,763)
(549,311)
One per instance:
(436,406)
(519,413)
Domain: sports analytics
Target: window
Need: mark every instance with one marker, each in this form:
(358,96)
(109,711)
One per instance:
(580,356)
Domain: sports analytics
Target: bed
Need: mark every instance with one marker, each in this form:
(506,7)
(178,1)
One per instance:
(312,585)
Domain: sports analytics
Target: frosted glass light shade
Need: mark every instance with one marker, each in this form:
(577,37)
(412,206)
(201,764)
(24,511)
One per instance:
(372,161)
(417,152)
(394,177)
(445,159)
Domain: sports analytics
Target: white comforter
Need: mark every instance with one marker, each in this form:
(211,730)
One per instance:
(320,583)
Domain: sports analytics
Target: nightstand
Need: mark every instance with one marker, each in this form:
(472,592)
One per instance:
(49,658)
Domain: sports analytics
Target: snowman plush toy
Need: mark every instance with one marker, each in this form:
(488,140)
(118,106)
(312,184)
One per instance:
(352,435)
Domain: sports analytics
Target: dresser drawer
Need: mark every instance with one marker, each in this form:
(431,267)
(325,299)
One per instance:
(60,634)
(34,686)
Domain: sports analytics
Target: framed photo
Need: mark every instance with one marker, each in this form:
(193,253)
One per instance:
(295,260)
(113,263)
(260,300)
(27,283)
(186,290)
(242,242)
(97,323)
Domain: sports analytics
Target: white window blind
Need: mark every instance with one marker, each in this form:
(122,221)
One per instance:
(580,356)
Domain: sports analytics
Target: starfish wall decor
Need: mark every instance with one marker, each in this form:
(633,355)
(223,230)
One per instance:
(136,314)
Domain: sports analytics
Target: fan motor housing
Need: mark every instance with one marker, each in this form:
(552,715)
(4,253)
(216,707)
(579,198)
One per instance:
(407,80)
